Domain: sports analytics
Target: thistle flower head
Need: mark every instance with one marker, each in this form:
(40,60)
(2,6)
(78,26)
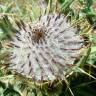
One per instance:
(45,49)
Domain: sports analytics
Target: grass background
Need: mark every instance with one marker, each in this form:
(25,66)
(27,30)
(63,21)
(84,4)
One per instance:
(82,14)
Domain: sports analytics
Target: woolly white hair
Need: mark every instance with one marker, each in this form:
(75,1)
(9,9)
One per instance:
(45,49)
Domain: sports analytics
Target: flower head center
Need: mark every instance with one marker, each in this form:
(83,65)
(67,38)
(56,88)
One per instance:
(38,32)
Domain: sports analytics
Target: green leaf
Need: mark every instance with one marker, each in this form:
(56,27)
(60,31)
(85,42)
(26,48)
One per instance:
(65,6)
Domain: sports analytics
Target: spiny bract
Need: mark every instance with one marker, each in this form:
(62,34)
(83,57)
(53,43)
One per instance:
(45,49)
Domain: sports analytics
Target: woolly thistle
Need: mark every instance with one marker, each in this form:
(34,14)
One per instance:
(45,49)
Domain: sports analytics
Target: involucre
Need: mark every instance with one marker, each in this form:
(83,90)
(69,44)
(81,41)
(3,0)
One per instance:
(45,49)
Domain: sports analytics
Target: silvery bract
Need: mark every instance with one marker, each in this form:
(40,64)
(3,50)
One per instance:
(45,49)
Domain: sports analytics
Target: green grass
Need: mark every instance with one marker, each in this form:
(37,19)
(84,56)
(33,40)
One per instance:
(82,80)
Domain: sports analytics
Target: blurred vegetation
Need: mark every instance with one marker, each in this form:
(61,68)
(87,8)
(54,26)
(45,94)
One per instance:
(82,80)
